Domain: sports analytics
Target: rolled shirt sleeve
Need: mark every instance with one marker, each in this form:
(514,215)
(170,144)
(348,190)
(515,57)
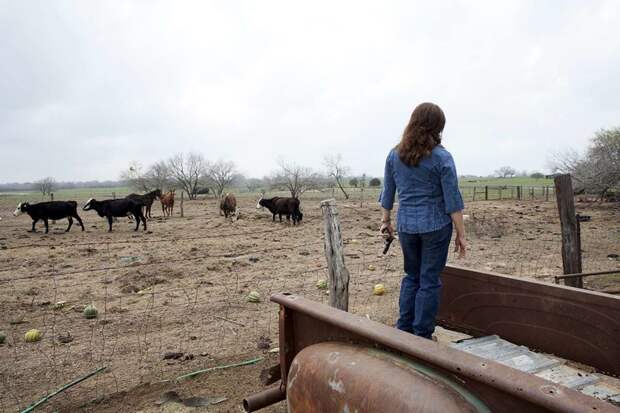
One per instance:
(389,185)
(452,198)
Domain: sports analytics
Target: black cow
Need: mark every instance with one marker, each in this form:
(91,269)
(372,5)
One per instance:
(282,206)
(147,199)
(111,208)
(49,210)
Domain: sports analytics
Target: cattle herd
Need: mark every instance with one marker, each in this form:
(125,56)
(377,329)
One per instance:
(138,207)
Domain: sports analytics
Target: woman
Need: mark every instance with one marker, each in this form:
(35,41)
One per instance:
(424,174)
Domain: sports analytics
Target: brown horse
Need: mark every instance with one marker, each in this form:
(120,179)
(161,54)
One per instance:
(167,203)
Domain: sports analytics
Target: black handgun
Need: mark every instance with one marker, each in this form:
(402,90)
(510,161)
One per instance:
(386,244)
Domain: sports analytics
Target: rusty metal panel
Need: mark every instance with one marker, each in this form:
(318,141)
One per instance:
(338,377)
(575,324)
(499,387)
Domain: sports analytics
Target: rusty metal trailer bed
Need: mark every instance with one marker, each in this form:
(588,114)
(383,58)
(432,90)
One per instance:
(331,360)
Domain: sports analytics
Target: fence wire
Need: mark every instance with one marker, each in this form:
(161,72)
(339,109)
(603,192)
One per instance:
(170,303)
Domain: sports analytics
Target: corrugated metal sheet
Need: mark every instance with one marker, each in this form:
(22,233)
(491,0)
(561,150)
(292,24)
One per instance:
(544,366)
(518,357)
(602,391)
(568,376)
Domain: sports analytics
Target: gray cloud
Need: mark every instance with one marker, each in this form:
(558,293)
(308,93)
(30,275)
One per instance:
(88,87)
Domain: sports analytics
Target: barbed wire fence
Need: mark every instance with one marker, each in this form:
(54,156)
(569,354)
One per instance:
(165,312)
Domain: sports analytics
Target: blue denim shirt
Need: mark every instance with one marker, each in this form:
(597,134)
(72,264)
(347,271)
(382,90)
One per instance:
(427,193)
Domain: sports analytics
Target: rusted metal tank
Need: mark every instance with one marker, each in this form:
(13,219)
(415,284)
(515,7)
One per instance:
(339,377)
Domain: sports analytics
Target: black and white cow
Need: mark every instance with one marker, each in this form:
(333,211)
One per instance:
(111,208)
(53,210)
(282,206)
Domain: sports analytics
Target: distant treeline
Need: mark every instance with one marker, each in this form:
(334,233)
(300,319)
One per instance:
(29,186)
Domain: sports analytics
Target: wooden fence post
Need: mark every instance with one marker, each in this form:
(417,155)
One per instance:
(362,196)
(473,197)
(51,196)
(334,253)
(546,193)
(500,193)
(571,237)
(486,193)
(182,192)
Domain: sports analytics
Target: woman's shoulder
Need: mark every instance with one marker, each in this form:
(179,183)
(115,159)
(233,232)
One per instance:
(392,154)
(440,153)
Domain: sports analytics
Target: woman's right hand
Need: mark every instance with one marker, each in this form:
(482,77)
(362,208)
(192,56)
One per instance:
(460,245)
(386,230)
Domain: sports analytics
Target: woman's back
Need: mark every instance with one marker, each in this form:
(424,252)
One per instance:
(428,193)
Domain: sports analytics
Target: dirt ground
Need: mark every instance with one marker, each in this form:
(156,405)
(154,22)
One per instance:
(182,287)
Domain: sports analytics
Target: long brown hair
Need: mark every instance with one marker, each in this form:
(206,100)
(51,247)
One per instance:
(422,133)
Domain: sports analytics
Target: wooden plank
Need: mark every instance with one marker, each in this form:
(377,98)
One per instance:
(182,192)
(571,237)
(486,193)
(334,253)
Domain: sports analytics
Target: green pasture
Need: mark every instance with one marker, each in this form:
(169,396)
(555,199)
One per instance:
(516,181)
(356,194)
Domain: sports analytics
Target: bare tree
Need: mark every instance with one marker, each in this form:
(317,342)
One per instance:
(187,170)
(598,170)
(134,177)
(45,185)
(295,178)
(506,172)
(252,184)
(158,176)
(336,170)
(220,175)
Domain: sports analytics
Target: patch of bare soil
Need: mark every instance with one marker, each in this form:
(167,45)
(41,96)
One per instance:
(183,286)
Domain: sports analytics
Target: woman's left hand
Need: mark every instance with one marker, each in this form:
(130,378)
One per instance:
(460,245)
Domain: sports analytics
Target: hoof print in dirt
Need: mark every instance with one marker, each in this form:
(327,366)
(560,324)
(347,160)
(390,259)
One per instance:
(171,355)
(173,397)
(264,343)
(65,338)
(129,289)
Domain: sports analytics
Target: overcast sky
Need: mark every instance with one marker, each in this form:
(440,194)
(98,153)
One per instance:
(87,87)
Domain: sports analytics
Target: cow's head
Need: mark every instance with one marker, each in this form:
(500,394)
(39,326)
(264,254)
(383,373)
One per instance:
(88,205)
(158,193)
(300,216)
(21,208)
(258,204)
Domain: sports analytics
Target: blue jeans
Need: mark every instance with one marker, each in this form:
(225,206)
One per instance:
(425,258)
